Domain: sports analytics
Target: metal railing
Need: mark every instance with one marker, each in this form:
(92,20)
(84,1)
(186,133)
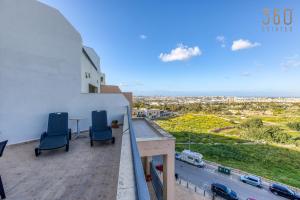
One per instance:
(142,192)
(156,182)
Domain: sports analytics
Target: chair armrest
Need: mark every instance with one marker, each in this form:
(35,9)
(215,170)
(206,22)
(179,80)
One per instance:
(70,134)
(44,134)
(90,131)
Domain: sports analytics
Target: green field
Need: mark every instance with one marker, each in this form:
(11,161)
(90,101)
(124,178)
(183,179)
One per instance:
(279,162)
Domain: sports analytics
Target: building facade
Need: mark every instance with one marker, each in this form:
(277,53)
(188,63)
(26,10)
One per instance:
(43,67)
(149,113)
(91,76)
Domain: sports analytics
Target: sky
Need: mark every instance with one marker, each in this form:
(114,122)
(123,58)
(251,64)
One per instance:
(193,47)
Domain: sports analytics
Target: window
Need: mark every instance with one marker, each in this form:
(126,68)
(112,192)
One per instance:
(252,179)
(290,191)
(228,190)
(190,158)
(93,89)
(222,190)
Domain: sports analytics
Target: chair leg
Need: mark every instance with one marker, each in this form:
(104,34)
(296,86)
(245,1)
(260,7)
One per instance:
(37,152)
(67,147)
(2,193)
(113,140)
(92,143)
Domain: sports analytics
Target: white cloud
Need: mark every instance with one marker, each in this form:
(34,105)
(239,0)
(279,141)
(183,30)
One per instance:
(258,64)
(143,37)
(243,44)
(180,53)
(246,74)
(291,62)
(221,40)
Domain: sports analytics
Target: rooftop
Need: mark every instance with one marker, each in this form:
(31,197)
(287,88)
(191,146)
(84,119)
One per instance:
(82,173)
(143,130)
(146,129)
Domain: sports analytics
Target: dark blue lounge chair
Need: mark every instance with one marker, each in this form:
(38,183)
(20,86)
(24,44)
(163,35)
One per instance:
(57,135)
(2,146)
(99,131)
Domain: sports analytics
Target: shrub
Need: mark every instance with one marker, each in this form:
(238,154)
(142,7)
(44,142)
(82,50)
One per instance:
(294,125)
(228,113)
(268,134)
(252,123)
(276,134)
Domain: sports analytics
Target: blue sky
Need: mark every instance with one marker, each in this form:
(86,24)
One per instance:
(190,47)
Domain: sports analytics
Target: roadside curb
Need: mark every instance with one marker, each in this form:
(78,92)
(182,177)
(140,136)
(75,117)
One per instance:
(236,172)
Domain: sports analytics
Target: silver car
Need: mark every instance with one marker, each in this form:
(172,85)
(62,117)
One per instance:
(252,180)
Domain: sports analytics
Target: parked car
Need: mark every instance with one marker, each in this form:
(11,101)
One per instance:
(160,167)
(284,191)
(252,180)
(191,157)
(177,156)
(223,191)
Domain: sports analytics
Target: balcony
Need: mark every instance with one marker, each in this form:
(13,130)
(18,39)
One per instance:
(85,172)
(104,171)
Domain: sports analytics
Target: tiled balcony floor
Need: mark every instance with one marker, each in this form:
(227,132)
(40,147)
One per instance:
(83,173)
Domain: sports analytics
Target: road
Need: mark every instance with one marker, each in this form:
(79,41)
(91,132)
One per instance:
(204,177)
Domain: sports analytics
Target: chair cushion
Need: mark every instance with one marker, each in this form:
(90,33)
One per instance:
(57,123)
(102,135)
(53,142)
(99,120)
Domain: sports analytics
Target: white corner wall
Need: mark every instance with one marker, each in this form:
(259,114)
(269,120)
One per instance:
(40,72)
(94,78)
(93,56)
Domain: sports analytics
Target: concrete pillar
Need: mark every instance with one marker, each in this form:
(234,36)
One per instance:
(168,177)
(144,164)
(147,164)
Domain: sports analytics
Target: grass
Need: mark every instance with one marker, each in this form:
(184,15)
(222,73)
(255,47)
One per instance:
(278,164)
(206,138)
(227,148)
(279,119)
(194,123)
(282,122)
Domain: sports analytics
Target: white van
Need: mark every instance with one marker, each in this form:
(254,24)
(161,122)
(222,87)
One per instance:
(191,157)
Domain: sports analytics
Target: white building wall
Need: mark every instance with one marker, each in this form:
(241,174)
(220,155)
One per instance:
(40,72)
(93,56)
(89,75)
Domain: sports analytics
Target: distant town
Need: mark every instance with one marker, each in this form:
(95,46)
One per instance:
(154,107)
(160,100)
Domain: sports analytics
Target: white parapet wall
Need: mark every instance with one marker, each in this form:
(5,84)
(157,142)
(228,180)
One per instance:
(40,72)
(126,179)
